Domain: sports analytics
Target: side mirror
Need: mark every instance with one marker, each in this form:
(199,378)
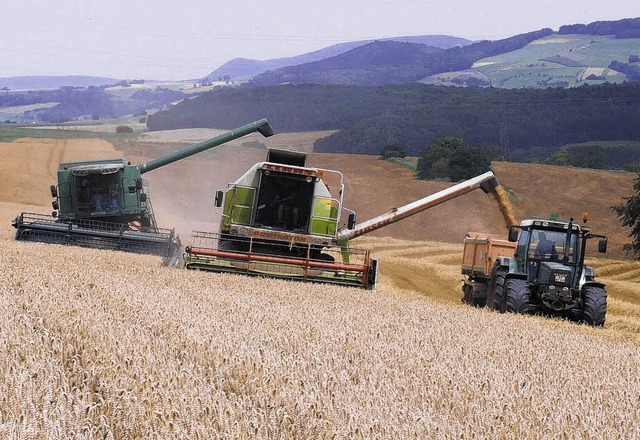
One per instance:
(351,221)
(513,234)
(602,245)
(143,197)
(218,200)
(54,191)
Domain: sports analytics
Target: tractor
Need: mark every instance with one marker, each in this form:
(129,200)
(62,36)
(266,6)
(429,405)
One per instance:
(538,269)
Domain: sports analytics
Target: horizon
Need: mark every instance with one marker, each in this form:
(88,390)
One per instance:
(130,40)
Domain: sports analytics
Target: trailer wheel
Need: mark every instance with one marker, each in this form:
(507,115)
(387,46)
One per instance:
(467,294)
(468,298)
(595,305)
(495,298)
(518,294)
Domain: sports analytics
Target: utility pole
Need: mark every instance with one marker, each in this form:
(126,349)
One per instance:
(504,132)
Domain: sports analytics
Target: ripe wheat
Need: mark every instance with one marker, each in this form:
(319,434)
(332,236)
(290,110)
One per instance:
(101,344)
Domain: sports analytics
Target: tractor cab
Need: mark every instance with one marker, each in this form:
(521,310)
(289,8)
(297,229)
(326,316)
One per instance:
(551,253)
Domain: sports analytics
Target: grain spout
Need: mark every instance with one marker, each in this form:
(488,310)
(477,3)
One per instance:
(501,196)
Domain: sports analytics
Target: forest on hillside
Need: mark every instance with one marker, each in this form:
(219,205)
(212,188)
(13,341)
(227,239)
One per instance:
(524,123)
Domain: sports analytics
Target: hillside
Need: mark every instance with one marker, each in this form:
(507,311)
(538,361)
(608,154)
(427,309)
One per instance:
(558,60)
(540,59)
(243,69)
(391,62)
(534,122)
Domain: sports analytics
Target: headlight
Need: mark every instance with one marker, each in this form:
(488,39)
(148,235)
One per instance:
(560,277)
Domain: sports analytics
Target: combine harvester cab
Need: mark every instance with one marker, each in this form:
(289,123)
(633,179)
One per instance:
(104,204)
(286,220)
(539,270)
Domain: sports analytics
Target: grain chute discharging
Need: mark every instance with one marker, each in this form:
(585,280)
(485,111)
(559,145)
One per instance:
(284,219)
(104,203)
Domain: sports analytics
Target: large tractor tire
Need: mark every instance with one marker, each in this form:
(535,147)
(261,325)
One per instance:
(518,295)
(595,305)
(495,296)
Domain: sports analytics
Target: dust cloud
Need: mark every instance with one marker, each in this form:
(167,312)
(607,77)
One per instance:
(183,192)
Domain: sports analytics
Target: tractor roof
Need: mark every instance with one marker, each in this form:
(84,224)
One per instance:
(548,224)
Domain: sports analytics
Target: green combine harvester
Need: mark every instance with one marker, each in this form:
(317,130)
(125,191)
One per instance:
(284,219)
(104,203)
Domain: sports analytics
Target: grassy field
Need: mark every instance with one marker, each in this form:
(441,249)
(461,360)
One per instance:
(525,67)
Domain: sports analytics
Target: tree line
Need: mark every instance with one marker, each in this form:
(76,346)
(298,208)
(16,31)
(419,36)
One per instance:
(520,124)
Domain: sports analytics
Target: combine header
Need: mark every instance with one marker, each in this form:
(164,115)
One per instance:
(283,219)
(104,204)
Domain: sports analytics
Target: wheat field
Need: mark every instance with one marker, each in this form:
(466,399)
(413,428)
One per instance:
(104,344)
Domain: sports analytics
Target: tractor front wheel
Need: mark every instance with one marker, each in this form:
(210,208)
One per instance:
(518,294)
(496,300)
(595,305)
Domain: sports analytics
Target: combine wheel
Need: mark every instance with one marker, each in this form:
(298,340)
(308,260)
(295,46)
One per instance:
(595,305)
(517,295)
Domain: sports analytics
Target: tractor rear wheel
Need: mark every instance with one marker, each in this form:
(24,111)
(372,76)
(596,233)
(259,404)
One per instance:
(518,294)
(595,305)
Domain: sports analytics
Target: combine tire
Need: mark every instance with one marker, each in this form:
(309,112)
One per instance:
(595,306)
(517,296)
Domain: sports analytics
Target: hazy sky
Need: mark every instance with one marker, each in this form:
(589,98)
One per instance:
(187,39)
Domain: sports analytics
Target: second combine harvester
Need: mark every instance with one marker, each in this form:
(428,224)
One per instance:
(104,203)
(284,219)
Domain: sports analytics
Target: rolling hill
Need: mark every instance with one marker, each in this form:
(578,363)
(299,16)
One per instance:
(574,55)
(392,62)
(558,60)
(240,69)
